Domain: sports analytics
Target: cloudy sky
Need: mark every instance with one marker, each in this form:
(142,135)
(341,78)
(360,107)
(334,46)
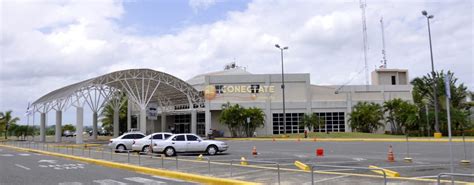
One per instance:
(47,44)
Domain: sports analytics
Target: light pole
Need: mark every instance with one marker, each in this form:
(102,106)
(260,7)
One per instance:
(428,17)
(283,84)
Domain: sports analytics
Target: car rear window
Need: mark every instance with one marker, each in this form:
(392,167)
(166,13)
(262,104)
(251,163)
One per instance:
(138,136)
(191,138)
(128,136)
(167,136)
(157,136)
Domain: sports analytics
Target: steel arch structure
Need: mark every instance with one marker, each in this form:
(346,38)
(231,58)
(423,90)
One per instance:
(141,86)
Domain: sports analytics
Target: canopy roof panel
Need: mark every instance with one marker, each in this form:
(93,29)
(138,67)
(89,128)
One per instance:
(140,85)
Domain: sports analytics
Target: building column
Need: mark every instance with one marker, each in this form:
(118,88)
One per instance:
(79,125)
(58,134)
(194,121)
(116,122)
(43,127)
(142,125)
(207,115)
(163,122)
(129,115)
(94,125)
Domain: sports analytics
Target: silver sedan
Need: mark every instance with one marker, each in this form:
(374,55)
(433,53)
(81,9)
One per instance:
(187,143)
(125,141)
(143,144)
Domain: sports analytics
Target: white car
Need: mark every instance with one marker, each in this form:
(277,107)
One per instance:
(187,143)
(143,144)
(125,141)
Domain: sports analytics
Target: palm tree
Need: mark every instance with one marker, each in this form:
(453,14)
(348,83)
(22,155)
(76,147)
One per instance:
(366,117)
(257,119)
(311,121)
(7,120)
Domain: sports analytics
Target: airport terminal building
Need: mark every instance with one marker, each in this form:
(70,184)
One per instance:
(162,102)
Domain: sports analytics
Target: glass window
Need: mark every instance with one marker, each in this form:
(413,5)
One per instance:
(158,136)
(192,138)
(219,89)
(254,88)
(128,136)
(179,138)
(138,136)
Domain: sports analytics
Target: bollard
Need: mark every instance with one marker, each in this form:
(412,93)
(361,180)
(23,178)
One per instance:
(278,170)
(111,153)
(209,166)
(128,156)
(102,153)
(176,162)
(89,152)
(72,150)
(83,151)
(162,161)
(139,162)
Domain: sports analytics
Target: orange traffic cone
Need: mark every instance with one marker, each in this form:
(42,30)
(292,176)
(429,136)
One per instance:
(298,139)
(314,139)
(254,151)
(273,138)
(390,156)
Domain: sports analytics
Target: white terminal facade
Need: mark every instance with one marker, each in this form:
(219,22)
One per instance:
(160,102)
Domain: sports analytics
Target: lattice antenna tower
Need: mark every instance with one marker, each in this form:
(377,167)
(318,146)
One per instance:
(384,57)
(364,37)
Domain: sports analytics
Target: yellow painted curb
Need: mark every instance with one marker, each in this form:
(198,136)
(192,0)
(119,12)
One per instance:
(389,173)
(146,170)
(427,140)
(302,166)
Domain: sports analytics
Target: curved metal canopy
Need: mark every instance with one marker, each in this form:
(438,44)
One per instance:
(140,85)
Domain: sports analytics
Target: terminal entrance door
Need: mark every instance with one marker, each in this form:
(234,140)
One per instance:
(182,128)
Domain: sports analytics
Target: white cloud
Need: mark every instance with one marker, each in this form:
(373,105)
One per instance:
(198,5)
(46,45)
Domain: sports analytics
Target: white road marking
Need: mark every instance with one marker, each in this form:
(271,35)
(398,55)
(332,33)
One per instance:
(47,161)
(332,178)
(70,183)
(7,155)
(144,180)
(359,159)
(423,177)
(415,166)
(21,166)
(170,179)
(24,154)
(109,182)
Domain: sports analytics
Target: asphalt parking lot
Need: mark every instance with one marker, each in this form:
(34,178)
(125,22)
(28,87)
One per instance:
(19,168)
(429,159)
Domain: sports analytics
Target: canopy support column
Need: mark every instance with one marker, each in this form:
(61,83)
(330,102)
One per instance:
(193,121)
(163,122)
(43,127)
(58,134)
(143,120)
(79,125)
(116,123)
(94,125)
(208,121)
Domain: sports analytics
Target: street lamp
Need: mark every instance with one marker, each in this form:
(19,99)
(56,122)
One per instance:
(428,17)
(283,84)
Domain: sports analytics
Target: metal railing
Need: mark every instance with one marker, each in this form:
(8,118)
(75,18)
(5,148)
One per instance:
(257,161)
(347,167)
(452,175)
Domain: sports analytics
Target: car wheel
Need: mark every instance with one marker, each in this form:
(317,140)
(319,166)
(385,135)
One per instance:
(170,151)
(211,150)
(146,149)
(121,148)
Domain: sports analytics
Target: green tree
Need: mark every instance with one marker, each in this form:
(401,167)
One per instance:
(257,119)
(366,117)
(7,120)
(401,114)
(107,116)
(423,95)
(69,127)
(233,116)
(311,121)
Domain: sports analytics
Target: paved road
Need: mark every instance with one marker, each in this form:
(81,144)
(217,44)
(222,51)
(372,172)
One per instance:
(31,168)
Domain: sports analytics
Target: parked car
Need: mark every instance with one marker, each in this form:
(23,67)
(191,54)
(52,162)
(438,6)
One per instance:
(188,143)
(125,141)
(68,133)
(143,144)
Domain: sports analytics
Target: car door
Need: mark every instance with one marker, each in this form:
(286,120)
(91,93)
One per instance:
(179,143)
(127,140)
(194,144)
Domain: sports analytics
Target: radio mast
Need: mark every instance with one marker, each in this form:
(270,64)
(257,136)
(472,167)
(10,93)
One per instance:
(364,37)
(384,57)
